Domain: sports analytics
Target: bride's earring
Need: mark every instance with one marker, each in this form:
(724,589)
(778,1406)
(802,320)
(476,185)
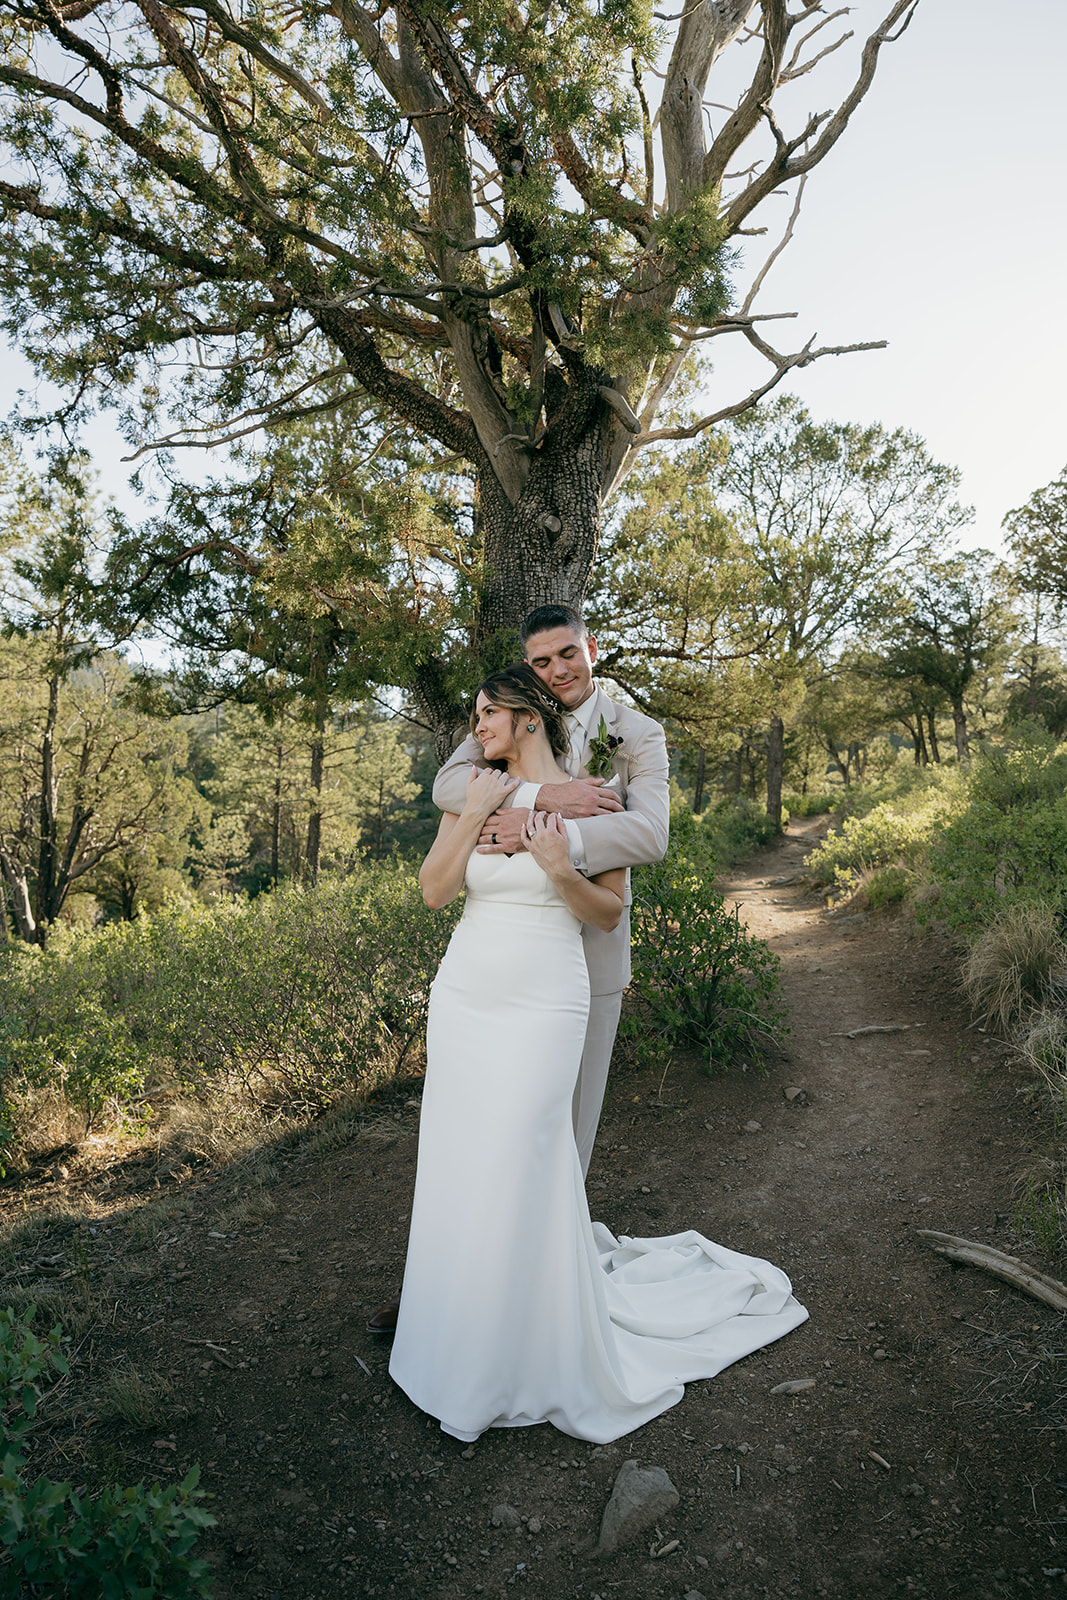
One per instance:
(531,727)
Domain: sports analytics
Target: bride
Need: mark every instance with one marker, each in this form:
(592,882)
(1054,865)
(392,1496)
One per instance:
(516,1308)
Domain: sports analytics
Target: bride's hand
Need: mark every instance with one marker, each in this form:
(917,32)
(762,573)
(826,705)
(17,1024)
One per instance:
(545,838)
(487,789)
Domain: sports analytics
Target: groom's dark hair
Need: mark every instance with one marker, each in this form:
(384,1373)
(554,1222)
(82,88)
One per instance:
(546,617)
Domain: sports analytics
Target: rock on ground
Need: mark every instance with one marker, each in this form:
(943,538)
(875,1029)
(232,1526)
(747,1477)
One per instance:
(640,1495)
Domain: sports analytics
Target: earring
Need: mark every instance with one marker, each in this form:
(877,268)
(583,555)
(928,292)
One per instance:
(531,727)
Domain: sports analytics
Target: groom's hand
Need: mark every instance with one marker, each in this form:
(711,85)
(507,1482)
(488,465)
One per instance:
(584,797)
(502,832)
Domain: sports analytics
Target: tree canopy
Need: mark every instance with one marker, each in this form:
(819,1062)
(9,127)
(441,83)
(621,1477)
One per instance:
(482,230)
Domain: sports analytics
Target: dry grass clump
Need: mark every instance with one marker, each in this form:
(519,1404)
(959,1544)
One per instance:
(142,1399)
(34,1228)
(44,1119)
(1044,1048)
(74,1303)
(250,1208)
(209,1128)
(146,1224)
(1014,967)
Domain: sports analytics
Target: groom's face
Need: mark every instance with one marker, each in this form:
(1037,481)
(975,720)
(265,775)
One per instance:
(564,664)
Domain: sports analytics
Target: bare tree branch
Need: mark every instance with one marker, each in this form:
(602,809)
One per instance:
(776,252)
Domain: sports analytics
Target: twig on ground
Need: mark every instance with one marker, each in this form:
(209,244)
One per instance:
(874,1027)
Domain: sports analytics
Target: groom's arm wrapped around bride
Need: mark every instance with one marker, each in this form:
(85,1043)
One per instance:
(628,838)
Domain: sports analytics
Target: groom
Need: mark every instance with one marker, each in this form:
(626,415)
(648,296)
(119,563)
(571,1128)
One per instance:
(625,825)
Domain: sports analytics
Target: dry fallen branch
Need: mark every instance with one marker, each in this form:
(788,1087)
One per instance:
(1010,1268)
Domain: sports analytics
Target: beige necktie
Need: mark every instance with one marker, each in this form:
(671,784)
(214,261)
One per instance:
(573,762)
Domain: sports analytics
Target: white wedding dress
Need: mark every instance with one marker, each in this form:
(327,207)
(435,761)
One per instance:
(516,1309)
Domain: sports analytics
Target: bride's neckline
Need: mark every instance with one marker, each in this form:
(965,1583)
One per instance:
(562,776)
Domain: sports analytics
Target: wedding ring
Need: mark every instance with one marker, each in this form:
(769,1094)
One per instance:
(494,838)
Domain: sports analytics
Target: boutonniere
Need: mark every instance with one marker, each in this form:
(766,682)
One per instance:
(602,751)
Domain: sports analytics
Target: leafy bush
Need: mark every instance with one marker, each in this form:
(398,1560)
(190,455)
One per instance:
(814,805)
(297,993)
(699,977)
(724,832)
(884,837)
(886,886)
(124,1542)
(1006,844)
(735,828)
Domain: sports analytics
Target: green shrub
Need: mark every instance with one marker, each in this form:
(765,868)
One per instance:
(814,805)
(132,1542)
(723,833)
(884,837)
(298,993)
(1006,845)
(26,1363)
(886,886)
(699,978)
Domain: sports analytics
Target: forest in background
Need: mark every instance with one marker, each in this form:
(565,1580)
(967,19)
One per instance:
(208,870)
(789,598)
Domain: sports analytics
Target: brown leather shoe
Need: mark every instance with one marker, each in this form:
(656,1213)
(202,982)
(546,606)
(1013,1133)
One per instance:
(384,1319)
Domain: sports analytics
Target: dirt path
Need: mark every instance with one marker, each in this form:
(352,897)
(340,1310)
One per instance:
(921,1463)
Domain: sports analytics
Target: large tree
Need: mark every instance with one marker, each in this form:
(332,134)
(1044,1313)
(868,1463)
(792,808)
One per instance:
(480,226)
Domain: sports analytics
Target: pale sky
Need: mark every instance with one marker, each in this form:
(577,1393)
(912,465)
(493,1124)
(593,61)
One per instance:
(938,223)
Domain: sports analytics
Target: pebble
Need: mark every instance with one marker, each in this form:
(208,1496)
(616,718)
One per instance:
(753,1127)
(504,1517)
(880,1355)
(534,1525)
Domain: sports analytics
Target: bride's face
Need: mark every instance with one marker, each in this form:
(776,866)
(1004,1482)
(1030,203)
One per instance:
(494,730)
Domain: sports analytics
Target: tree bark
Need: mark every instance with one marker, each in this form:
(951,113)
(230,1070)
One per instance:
(698,787)
(919,752)
(21,907)
(538,550)
(314,838)
(959,719)
(276,817)
(932,725)
(47,856)
(775,762)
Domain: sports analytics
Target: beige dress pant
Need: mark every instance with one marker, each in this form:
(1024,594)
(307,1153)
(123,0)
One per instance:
(592,1080)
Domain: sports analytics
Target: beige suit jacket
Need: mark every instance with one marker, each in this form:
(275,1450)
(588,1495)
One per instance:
(629,838)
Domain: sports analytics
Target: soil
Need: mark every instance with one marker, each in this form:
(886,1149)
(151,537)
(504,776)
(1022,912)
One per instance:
(922,1461)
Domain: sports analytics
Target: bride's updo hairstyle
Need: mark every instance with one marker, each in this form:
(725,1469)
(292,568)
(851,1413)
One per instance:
(519,690)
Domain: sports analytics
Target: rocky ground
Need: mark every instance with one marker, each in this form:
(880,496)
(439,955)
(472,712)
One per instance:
(921,1459)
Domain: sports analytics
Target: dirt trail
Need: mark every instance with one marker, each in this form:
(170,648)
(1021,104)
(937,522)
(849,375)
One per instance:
(921,1463)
